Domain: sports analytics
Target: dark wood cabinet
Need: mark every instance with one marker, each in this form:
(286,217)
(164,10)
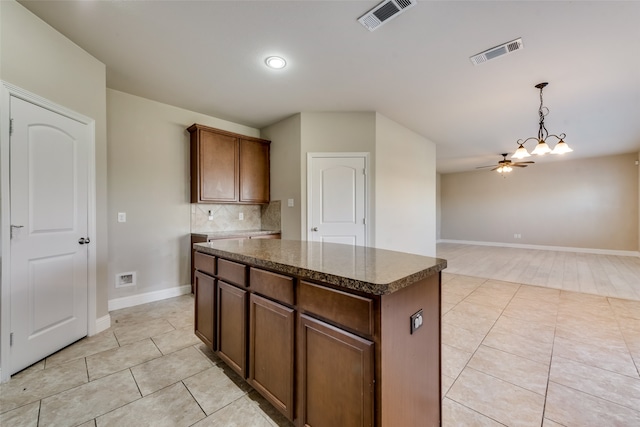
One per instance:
(205,308)
(202,237)
(254,171)
(227,167)
(336,373)
(232,326)
(271,352)
(322,354)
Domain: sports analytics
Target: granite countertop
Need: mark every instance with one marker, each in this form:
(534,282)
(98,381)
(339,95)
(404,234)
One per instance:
(374,271)
(232,234)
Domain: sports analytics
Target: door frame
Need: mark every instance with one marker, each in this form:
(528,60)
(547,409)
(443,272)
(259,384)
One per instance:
(7,90)
(368,229)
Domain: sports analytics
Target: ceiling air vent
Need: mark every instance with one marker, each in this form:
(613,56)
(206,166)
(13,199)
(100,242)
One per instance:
(497,51)
(384,12)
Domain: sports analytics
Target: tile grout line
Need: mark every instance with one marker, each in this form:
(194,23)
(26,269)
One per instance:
(553,344)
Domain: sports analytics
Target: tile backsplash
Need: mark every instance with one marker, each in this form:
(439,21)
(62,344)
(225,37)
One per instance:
(226,217)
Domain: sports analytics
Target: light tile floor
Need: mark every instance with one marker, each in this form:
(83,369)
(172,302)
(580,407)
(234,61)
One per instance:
(513,354)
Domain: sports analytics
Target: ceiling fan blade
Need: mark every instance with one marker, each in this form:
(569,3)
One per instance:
(529,162)
(490,166)
(497,167)
(519,165)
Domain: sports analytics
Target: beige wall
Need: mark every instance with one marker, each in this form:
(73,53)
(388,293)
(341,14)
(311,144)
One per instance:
(149,180)
(285,157)
(332,133)
(583,203)
(402,208)
(405,191)
(37,58)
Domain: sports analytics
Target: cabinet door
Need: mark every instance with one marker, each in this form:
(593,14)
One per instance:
(232,326)
(218,168)
(336,374)
(271,327)
(254,171)
(194,239)
(205,308)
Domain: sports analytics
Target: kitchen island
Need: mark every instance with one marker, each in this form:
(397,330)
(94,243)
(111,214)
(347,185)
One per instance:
(330,334)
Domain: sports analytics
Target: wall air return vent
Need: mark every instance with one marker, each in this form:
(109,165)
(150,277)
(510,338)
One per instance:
(384,12)
(497,51)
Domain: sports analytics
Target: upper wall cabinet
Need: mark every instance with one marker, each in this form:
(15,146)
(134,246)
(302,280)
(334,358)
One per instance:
(227,167)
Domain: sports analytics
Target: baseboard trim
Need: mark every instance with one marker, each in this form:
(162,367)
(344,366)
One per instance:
(133,300)
(103,323)
(545,248)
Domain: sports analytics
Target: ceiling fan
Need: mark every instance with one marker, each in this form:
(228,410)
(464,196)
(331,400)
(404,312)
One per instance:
(505,165)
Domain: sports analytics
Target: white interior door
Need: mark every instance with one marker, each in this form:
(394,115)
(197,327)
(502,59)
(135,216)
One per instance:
(49,216)
(337,199)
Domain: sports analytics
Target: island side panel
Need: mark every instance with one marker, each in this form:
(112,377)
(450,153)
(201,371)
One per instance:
(410,363)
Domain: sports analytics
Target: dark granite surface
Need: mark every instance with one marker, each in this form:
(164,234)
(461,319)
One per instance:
(374,271)
(232,234)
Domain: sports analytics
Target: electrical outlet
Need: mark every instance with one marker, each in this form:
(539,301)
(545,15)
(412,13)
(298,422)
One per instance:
(122,217)
(241,216)
(416,321)
(290,203)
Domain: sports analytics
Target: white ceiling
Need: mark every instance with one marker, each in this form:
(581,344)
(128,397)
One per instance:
(207,56)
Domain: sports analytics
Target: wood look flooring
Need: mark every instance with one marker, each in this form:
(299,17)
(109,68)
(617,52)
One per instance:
(605,275)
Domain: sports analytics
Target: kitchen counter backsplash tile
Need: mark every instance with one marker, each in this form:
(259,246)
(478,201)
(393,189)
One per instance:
(226,217)
(271,216)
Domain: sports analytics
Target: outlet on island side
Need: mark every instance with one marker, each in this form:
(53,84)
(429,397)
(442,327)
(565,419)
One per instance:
(241,216)
(416,321)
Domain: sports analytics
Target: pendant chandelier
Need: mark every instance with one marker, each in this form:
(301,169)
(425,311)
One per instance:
(542,147)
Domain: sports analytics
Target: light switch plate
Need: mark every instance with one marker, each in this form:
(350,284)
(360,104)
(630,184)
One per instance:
(122,217)
(290,203)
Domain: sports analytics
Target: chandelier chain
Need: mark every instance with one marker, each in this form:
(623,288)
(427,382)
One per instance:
(541,113)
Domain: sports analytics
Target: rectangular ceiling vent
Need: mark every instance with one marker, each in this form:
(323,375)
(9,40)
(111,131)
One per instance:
(384,12)
(497,51)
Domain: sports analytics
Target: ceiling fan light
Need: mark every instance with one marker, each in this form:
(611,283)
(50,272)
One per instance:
(499,170)
(507,168)
(561,148)
(521,153)
(541,148)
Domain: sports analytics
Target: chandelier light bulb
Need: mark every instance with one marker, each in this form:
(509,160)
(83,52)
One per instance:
(561,148)
(541,148)
(521,153)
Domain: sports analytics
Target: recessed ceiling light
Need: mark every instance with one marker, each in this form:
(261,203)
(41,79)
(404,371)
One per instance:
(275,62)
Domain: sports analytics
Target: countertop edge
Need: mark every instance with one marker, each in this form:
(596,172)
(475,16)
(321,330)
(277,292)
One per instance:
(340,281)
(232,234)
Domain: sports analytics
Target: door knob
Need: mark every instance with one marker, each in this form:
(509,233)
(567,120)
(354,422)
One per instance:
(81,240)
(84,240)
(314,229)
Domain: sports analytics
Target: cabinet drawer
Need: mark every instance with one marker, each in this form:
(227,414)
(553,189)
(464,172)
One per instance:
(352,311)
(204,263)
(232,272)
(272,285)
